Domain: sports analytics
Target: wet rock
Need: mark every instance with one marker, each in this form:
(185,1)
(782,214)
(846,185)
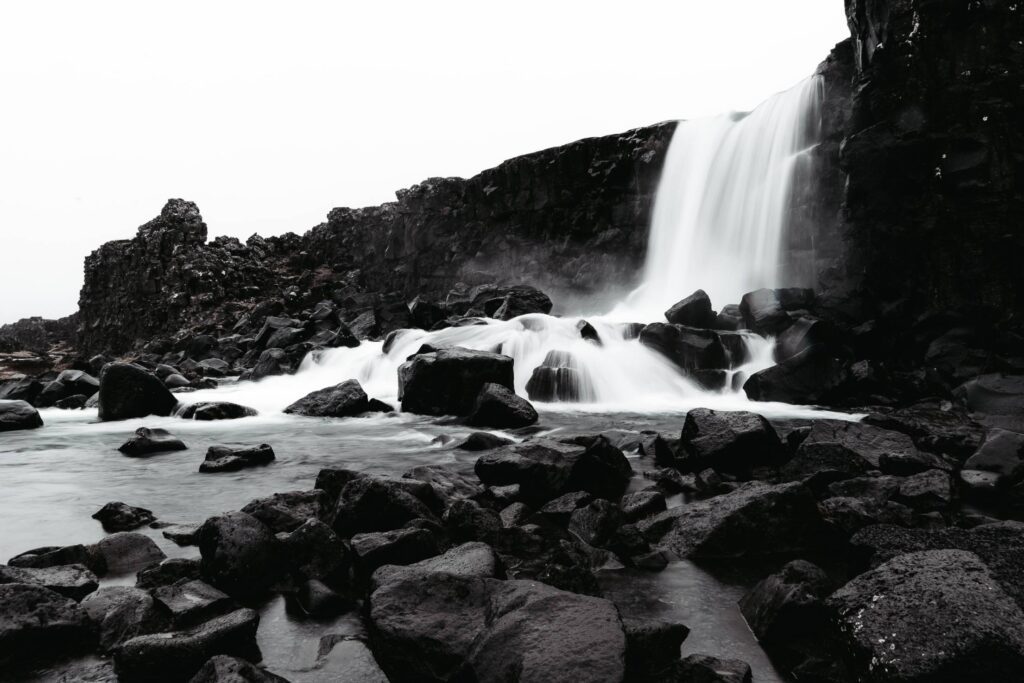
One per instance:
(171,570)
(400,547)
(176,381)
(314,551)
(151,440)
(128,551)
(179,655)
(516,301)
(514,514)
(16,415)
(191,602)
(763,313)
(804,333)
(936,427)
(128,391)
(116,516)
(811,376)
(38,623)
(121,613)
(469,559)
(217,410)
(341,400)
(689,348)
(376,504)
(636,506)
(227,459)
(73,581)
(588,332)
(849,515)
(596,523)
(465,520)
(499,407)
(74,402)
(446,483)
(652,648)
(545,469)
(697,668)
(344,660)
(271,362)
(425,314)
(240,555)
(20,388)
(693,311)
(288,511)
(733,442)
(927,492)
(317,600)
(994,394)
(1001,453)
(754,520)
(181,534)
(225,669)
(448,381)
(560,509)
(730,318)
(837,450)
(56,556)
(894,621)
(785,610)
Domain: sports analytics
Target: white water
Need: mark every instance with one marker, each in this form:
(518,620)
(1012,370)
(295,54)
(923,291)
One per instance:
(721,209)
(718,223)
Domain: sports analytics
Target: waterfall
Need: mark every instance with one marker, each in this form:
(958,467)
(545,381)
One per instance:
(718,224)
(721,209)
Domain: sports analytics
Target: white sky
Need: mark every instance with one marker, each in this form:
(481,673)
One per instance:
(269,114)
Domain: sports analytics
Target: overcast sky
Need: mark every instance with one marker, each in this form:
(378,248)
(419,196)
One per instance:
(269,114)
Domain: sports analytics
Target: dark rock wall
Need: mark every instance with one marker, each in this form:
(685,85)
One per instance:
(571,219)
(934,154)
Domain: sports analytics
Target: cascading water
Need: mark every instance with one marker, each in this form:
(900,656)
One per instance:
(718,225)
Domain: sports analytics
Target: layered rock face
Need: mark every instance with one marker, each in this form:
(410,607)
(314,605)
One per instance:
(571,219)
(933,154)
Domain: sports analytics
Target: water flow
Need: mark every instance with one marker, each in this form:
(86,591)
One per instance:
(722,204)
(718,224)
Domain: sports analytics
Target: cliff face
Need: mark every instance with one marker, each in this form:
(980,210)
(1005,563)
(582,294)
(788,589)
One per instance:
(571,219)
(933,154)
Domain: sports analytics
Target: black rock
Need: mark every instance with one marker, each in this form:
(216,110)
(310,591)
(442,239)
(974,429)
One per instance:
(652,648)
(216,410)
(689,348)
(837,450)
(465,521)
(588,332)
(400,547)
(733,442)
(20,389)
(191,602)
(596,523)
(116,516)
(516,301)
(448,381)
(376,504)
(120,613)
(314,551)
(483,441)
(271,362)
(763,313)
(317,600)
(127,552)
(73,402)
(38,623)
(341,400)
(128,391)
(697,668)
(693,311)
(240,555)
(227,459)
(469,559)
(179,655)
(499,407)
(811,376)
(785,610)
(226,669)
(804,333)
(171,570)
(755,520)
(151,440)
(636,506)
(290,510)
(18,415)
(894,621)
(425,314)
(73,581)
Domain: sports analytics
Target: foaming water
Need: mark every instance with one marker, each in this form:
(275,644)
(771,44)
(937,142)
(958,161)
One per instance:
(721,209)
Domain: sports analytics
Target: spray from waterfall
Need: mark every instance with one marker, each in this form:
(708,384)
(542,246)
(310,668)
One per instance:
(719,221)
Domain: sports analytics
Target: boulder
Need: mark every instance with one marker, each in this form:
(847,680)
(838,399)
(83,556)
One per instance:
(811,376)
(191,602)
(636,506)
(896,622)
(128,391)
(38,623)
(446,482)
(928,491)
(994,394)
(179,655)
(240,555)
(469,559)
(120,613)
(56,556)
(652,648)
(689,348)
(73,402)
(73,581)
(545,469)
(754,520)
(693,311)
(216,410)
(226,669)
(835,450)
(804,333)
(733,442)
(20,388)
(550,382)
(116,516)
(341,400)
(128,551)
(171,570)
(596,523)
(376,504)
(227,459)
(516,301)
(399,547)
(314,551)
(499,407)
(151,440)
(448,381)
(425,314)
(319,601)
(1001,453)
(730,318)
(16,415)
(271,362)
(465,520)
(785,610)
(290,510)
(763,313)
